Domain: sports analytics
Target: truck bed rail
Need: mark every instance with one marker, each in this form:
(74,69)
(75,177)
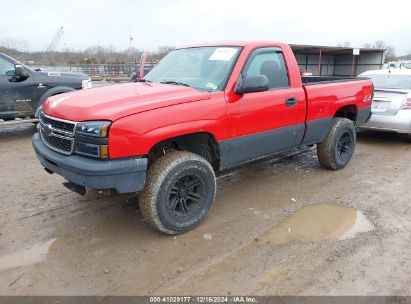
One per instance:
(312,80)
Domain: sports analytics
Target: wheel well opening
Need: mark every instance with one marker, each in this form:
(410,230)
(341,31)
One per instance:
(203,144)
(349,112)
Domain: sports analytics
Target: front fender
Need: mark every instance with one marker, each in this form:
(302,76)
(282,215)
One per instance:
(136,134)
(179,129)
(127,142)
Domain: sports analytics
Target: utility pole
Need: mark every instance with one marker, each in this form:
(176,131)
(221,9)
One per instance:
(129,48)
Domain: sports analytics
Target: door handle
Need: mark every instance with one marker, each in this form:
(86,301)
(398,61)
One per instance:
(289,102)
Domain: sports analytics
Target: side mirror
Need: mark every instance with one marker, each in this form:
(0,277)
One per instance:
(252,84)
(20,71)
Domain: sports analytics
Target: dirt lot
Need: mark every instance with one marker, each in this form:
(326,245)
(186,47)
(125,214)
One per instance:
(278,227)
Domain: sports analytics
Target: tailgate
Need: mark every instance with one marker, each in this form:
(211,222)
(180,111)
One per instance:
(388,102)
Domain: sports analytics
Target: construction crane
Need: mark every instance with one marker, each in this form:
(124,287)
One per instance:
(55,40)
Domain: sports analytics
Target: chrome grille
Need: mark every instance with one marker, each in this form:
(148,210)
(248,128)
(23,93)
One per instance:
(57,134)
(58,124)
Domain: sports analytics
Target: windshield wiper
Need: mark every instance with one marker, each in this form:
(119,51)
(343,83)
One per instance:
(143,80)
(175,82)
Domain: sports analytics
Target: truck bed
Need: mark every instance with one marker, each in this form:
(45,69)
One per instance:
(322,94)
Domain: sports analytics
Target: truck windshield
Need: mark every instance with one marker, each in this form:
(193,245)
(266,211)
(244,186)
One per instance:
(202,68)
(402,82)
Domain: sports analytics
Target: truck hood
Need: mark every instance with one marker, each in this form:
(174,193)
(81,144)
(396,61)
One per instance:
(116,101)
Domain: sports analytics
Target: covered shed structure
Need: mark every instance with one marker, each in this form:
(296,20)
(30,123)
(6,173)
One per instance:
(337,61)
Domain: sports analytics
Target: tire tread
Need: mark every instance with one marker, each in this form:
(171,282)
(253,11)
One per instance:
(325,149)
(155,176)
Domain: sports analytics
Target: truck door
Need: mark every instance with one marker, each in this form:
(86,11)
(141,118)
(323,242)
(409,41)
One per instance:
(16,93)
(267,122)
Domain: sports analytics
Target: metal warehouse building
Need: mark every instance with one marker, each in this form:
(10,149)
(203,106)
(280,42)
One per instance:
(337,61)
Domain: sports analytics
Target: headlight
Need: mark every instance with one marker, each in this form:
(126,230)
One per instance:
(91,138)
(86,84)
(93,128)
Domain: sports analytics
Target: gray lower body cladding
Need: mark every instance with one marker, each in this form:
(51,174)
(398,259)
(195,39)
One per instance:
(124,175)
(317,130)
(239,150)
(363,116)
(242,149)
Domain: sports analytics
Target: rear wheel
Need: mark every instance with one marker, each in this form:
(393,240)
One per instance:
(338,147)
(179,192)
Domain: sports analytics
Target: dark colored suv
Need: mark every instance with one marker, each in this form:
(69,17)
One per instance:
(23,90)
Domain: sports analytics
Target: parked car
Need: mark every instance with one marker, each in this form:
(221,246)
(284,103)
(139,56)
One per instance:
(202,109)
(391,105)
(23,90)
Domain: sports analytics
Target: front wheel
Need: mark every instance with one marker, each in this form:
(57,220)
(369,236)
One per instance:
(179,191)
(338,146)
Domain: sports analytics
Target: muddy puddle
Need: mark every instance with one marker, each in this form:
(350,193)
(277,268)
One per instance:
(319,223)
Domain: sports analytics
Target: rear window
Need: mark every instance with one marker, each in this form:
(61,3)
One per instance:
(402,82)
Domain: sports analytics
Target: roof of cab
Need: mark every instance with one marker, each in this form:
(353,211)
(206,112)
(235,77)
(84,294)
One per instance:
(237,43)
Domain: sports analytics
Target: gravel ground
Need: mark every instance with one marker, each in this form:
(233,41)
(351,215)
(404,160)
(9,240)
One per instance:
(279,226)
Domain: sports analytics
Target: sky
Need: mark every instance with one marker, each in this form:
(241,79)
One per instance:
(182,22)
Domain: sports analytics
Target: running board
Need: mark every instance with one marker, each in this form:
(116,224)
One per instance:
(17,122)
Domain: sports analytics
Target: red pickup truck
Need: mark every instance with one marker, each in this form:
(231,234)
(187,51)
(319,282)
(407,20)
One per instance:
(202,109)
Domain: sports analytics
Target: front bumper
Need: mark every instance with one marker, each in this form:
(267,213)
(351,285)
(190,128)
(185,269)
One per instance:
(124,175)
(400,123)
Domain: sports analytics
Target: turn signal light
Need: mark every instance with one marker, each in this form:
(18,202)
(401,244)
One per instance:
(103,151)
(93,150)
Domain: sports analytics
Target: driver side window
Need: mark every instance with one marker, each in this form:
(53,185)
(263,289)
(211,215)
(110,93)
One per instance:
(6,68)
(269,62)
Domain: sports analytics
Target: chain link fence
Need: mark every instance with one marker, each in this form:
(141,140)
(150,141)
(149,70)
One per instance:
(99,70)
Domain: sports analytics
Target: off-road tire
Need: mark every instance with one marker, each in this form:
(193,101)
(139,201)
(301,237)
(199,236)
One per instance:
(164,175)
(329,151)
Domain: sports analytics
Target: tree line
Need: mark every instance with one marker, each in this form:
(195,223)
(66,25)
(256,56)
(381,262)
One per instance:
(91,55)
(19,49)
